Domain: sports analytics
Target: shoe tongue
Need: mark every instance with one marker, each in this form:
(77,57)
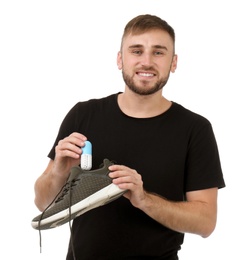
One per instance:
(107,163)
(75,171)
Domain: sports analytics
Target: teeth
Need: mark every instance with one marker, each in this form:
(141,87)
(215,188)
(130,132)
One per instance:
(146,74)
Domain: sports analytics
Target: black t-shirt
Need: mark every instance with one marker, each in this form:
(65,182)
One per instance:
(174,152)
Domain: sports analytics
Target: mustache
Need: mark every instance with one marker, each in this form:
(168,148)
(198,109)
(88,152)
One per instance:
(146,68)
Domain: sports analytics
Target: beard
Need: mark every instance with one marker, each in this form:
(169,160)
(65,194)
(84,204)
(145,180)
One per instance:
(141,90)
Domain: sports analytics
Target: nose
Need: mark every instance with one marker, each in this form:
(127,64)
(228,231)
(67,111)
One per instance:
(146,59)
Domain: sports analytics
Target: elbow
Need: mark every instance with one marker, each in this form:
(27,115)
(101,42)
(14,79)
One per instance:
(39,205)
(208,229)
(206,235)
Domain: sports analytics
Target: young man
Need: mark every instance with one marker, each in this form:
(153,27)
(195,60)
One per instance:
(166,157)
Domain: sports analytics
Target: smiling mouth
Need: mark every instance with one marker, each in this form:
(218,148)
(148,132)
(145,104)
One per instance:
(146,74)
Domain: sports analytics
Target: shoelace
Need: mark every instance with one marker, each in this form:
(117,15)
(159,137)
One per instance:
(69,221)
(67,188)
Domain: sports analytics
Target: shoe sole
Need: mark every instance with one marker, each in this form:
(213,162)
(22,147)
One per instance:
(100,198)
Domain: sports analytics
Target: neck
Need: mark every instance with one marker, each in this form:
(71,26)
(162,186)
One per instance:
(138,106)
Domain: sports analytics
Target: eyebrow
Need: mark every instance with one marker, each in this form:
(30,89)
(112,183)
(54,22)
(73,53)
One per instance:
(157,46)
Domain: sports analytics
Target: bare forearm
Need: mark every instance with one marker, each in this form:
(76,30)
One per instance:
(67,155)
(46,188)
(191,217)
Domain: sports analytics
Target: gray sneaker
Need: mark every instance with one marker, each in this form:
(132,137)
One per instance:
(84,190)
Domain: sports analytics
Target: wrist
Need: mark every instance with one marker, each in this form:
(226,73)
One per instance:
(146,202)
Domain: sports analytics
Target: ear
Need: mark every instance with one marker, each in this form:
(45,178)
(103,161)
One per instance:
(119,60)
(174,63)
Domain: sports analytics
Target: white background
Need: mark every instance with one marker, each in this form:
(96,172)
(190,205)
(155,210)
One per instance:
(56,53)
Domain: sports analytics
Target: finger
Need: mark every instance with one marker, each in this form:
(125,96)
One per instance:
(76,140)
(79,136)
(117,167)
(66,149)
(123,179)
(68,153)
(121,170)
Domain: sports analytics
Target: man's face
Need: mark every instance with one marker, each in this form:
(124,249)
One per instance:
(146,61)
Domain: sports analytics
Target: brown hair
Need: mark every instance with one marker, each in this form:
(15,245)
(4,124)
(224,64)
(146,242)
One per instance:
(146,22)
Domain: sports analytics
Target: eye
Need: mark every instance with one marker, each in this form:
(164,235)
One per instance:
(137,52)
(158,53)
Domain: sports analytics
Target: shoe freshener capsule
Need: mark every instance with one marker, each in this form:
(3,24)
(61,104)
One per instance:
(86,156)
